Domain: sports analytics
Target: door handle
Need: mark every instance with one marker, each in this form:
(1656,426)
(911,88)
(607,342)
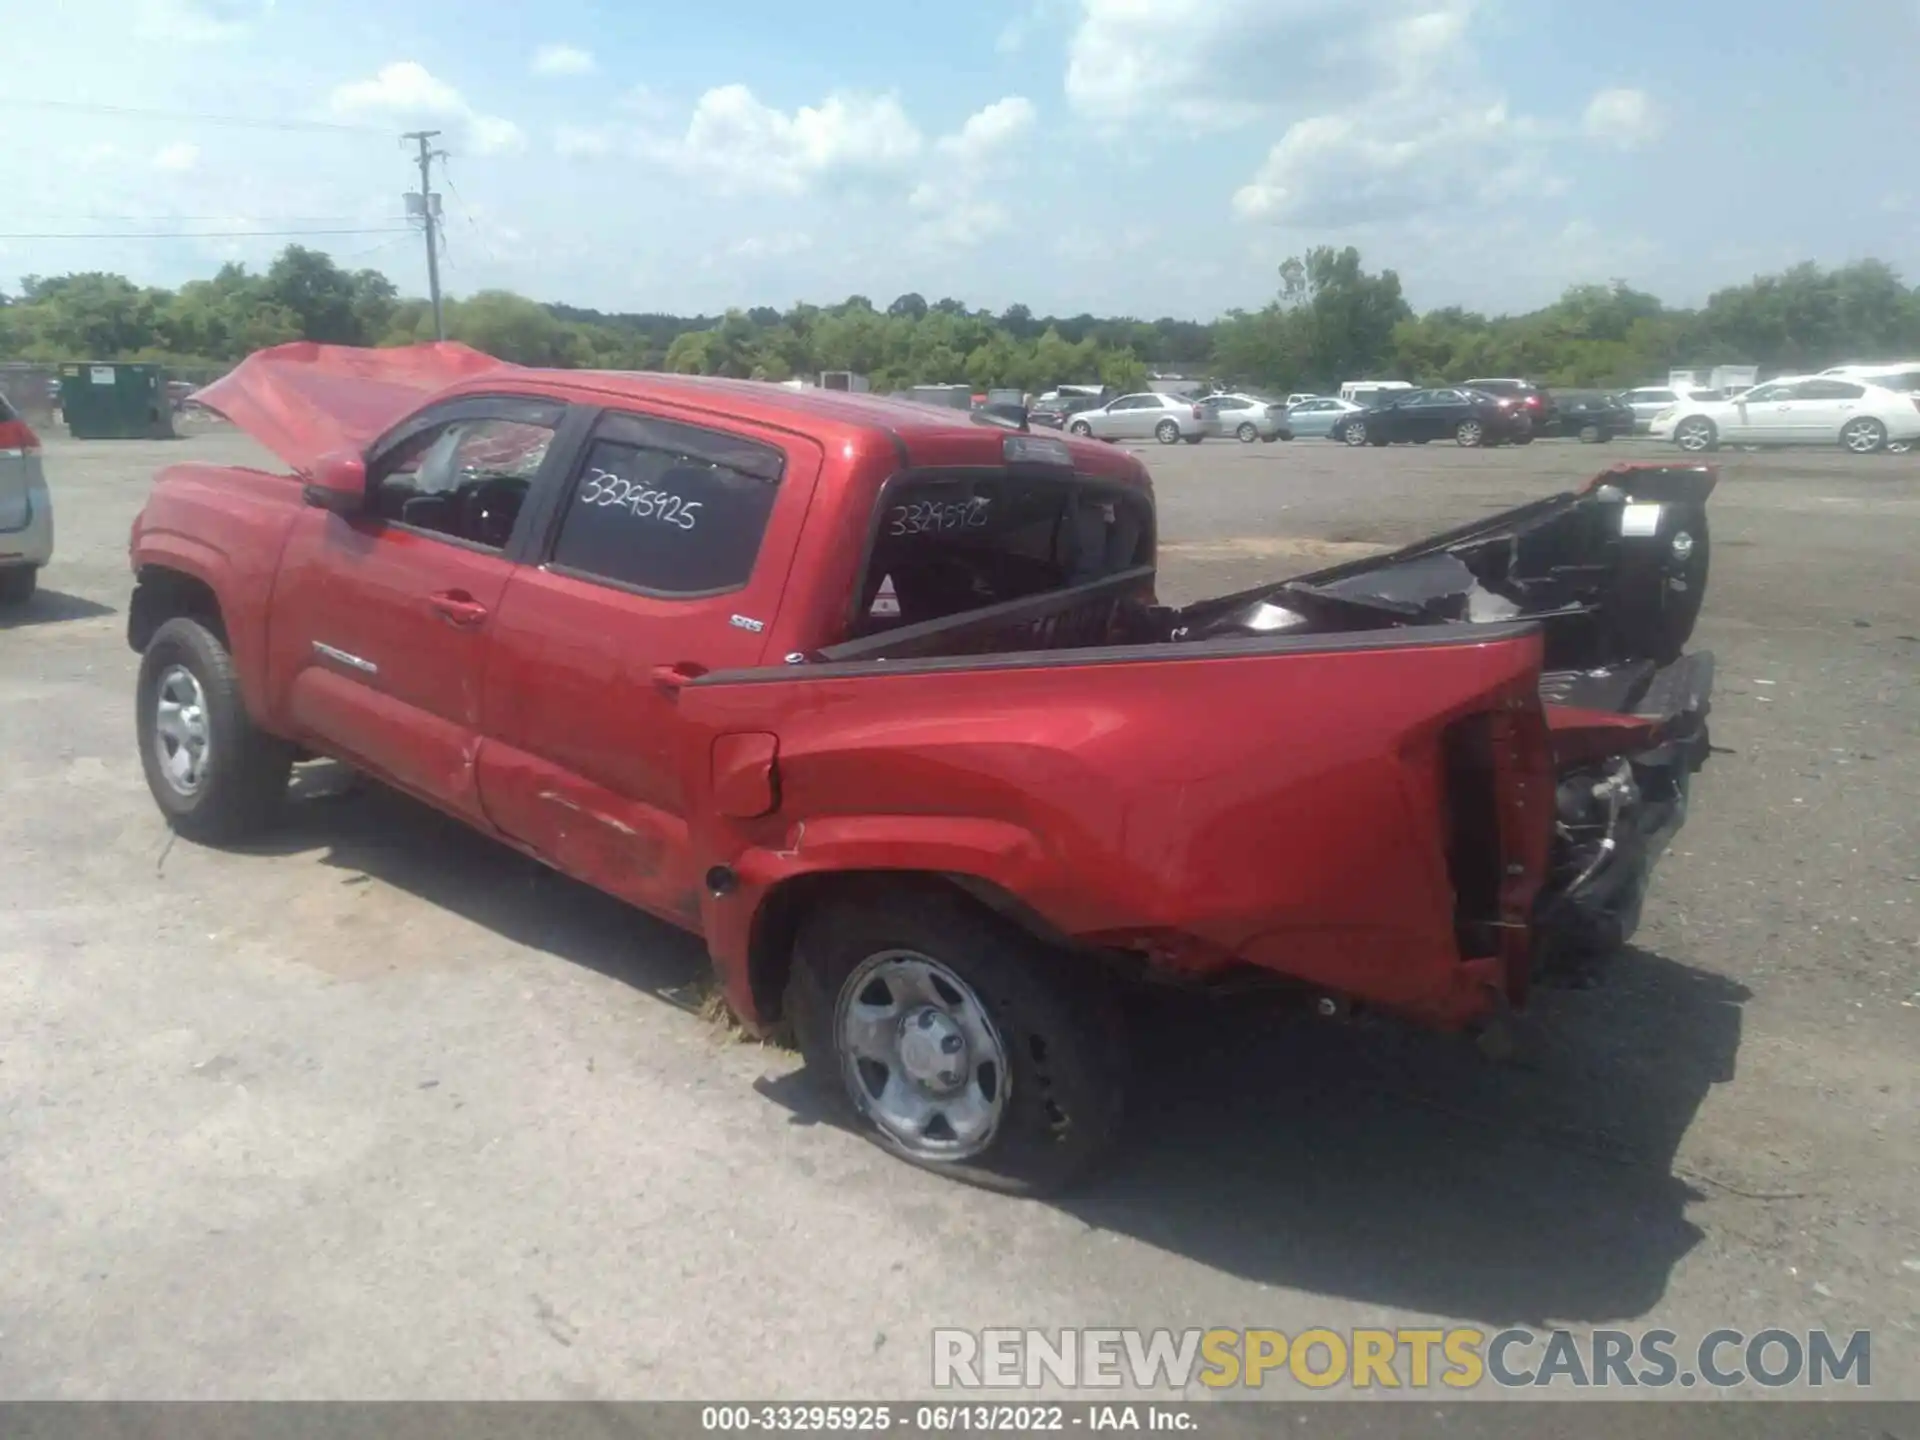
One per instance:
(669,678)
(457,607)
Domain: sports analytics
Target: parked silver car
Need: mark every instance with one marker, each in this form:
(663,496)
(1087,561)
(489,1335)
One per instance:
(1317,416)
(26,509)
(1141,416)
(1245,418)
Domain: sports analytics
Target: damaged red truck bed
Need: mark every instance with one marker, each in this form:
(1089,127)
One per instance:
(880,701)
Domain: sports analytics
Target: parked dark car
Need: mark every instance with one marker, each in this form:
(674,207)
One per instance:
(1593,417)
(1540,406)
(1466,417)
(1056,412)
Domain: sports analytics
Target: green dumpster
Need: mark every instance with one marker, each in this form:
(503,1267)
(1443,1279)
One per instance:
(107,400)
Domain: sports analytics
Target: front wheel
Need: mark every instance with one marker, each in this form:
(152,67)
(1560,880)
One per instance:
(1356,435)
(215,775)
(957,1042)
(1863,436)
(1167,432)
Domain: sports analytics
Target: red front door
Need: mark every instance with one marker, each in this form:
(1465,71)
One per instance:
(381,620)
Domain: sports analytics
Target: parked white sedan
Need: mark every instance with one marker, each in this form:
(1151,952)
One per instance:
(1795,410)
(1143,416)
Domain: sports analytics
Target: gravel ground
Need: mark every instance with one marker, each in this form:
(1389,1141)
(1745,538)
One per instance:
(379,1110)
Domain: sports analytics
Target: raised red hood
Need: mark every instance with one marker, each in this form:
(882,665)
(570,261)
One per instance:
(305,400)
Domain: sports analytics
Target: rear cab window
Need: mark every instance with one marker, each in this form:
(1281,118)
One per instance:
(950,541)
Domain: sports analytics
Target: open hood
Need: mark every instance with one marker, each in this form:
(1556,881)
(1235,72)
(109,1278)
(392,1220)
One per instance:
(305,400)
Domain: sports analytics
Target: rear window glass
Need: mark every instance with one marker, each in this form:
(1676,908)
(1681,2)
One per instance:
(1906,382)
(947,544)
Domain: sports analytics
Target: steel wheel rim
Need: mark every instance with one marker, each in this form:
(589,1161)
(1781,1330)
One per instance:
(1862,437)
(1692,436)
(182,731)
(921,1057)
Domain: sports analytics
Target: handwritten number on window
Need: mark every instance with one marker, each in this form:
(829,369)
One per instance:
(638,499)
(932,517)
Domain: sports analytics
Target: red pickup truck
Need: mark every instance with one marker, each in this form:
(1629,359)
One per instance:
(879,700)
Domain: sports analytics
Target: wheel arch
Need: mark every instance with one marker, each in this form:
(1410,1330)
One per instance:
(163,592)
(782,910)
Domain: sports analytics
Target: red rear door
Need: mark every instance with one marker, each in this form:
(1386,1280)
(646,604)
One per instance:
(669,555)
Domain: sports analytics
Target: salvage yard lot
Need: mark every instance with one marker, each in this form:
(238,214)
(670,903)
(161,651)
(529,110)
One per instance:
(380,1109)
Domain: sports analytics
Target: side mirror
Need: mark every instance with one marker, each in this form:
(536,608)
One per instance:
(337,482)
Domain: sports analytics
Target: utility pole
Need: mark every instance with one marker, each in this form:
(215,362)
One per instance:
(429,211)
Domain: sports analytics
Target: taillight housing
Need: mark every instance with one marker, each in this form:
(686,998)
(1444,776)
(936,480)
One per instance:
(17,439)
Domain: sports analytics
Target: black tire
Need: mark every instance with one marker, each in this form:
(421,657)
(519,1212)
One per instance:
(1247,433)
(1524,438)
(245,781)
(1591,435)
(1167,432)
(1697,435)
(17,584)
(1195,439)
(1080,428)
(1058,1022)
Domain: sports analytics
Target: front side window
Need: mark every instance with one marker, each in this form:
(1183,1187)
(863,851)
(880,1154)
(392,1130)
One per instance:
(667,508)
(466,479)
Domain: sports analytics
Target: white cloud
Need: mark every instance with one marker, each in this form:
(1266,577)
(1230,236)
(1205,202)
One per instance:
(198,22)
(736,144)
(562,60)
(1627,118)
(990,130)
(956,214)
(1359,168)
(575,141)
(177,157)
(408,89)
(770,247)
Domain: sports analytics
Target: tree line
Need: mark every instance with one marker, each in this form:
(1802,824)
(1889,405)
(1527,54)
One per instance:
(1330,319)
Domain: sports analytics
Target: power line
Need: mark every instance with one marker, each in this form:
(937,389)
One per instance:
(230,218)
(191,234)
(248,122)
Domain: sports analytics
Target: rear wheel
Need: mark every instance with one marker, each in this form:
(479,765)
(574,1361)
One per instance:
(1863,436)
(215,775)
(17,583)
(1167,432)
(1696,435)
(1468,434)
(1195,439)
(1247,433)
(957,1042)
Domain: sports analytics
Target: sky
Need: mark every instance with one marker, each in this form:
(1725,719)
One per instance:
(1143,157)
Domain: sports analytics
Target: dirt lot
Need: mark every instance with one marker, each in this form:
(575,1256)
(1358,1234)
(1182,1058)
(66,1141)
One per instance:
(381,1110)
